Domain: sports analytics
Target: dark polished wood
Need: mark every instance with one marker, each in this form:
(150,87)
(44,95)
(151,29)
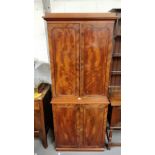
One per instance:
(114,116)
(94,125)
(66,119)
(80,125)
(114,112)
(80,55)
(96,48)
(43,115)
(116,60)
(64,52)
(115,124)
(115,108)
(80,47)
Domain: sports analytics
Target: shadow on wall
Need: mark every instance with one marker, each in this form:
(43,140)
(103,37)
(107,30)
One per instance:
(41,73)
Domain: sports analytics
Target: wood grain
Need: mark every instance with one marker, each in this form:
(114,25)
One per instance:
(65,122)
(79,125)
(80,46)
(96,51)
(64,50)
(93,125)
(80,100)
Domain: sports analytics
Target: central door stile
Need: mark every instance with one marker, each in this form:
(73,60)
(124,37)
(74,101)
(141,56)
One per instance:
(81,64)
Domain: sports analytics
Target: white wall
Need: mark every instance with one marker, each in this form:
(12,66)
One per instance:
(41,46)
(84,5)
(40,40)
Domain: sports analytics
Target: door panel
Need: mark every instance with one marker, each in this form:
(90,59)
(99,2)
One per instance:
(96,44)
(64,53)
(66,118)
(94,125)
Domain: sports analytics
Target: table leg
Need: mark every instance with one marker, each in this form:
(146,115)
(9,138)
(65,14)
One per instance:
(109,139)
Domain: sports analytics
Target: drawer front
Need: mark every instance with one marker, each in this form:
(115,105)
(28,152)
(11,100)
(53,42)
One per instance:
(37,123)
(116,116)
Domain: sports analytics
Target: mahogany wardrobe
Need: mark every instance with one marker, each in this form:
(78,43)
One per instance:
(80,48)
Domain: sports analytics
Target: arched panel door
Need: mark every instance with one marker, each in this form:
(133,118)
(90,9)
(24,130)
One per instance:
(64,56)
(95,57)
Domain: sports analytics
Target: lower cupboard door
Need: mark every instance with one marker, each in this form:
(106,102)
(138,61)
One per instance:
(66,119)
(95,117)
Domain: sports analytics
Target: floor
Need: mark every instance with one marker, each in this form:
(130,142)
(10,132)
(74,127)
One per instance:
(50,150)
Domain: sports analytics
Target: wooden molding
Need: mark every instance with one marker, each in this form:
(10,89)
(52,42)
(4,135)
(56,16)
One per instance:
(79,16)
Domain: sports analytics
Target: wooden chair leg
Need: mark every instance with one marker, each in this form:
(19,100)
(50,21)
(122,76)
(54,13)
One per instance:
(109,139)
(107,135)
(44,140)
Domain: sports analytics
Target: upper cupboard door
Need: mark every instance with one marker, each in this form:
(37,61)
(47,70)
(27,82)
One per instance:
(64,57)
(96,50)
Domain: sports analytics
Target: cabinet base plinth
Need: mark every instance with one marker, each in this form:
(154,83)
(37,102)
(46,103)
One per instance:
(80,149)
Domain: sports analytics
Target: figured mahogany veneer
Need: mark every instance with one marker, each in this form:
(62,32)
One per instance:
(64,51)
(80,122)
(80,47)
(80,56)
(95,57)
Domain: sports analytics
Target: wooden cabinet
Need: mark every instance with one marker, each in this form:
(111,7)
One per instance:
(115,82)
(80,47)
(43,114)
(80,123)
(114,112)
(114,118)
